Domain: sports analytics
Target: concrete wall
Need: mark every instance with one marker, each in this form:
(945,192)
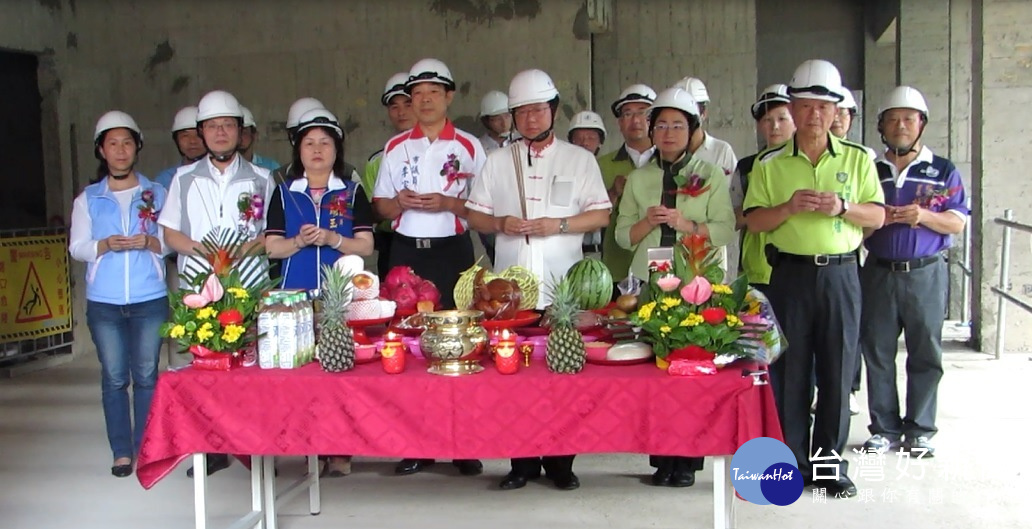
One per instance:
(658,42)
(1002,94)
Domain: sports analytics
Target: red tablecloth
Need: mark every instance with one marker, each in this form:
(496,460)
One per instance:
(603,409)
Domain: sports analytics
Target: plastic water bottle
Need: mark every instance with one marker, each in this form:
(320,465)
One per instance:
(268,337)
(287,324)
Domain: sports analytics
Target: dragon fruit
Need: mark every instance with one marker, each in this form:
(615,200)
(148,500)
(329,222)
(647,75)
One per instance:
(427,291)
(406,298)
(400,276)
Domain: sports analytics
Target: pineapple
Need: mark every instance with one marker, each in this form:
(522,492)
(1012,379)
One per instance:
(336,339)
(564,350)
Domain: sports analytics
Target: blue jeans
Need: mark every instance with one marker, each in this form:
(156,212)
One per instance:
(128,345)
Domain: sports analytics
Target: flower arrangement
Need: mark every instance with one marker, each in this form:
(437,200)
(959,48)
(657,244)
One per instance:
(450,171)
(692,186)
(693,316)
(251,207)
(148,213)
(212,315)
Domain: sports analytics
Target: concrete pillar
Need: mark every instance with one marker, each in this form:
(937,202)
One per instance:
(1001,70)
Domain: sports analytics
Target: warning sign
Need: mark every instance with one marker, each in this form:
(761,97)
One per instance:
(34,299)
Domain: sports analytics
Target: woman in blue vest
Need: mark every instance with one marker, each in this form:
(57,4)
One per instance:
(315,217)
(115,232)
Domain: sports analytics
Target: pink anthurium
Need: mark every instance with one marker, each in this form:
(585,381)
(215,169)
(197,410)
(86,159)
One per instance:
(698,291)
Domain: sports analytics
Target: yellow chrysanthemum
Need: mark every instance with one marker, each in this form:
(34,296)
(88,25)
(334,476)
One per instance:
(720,288)
(238,293)
(645,312)
(177,331)
(206,313)
(692,320)
(205,332)
(733,321)
(669,303)
(664,329)
(232,333)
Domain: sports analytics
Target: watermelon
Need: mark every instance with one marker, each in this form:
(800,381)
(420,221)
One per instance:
(592,283)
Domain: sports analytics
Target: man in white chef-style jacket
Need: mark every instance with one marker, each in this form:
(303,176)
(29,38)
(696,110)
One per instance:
(562,189)
(540,219)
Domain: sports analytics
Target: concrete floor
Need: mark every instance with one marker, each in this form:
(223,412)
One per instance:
(54,473)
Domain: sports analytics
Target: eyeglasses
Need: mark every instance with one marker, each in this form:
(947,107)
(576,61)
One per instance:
(224,126)
(676,127)
(536,111)
(628,114)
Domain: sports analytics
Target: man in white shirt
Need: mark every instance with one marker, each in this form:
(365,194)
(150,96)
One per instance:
(205,196)
(540,219)
(703,145)
(422,185)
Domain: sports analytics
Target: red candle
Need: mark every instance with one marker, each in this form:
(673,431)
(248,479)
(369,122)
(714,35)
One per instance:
(392,355)
(506,360)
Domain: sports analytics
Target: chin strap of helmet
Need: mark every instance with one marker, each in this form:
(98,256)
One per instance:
(903,151)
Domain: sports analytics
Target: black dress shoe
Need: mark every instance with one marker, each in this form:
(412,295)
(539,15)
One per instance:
(215,463)
(567,482)
(469,467)
(682,478)
(662,477)
(841,488)
(515,481)
(121,471)
(412,466)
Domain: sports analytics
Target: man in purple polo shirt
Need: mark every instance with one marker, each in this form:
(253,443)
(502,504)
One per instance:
(904,279)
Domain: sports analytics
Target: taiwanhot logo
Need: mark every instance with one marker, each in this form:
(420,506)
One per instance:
(764,472)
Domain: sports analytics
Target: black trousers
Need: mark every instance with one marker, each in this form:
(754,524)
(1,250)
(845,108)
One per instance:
(914,302)
(440,260)
(819,310)
(554,466)
(382,241)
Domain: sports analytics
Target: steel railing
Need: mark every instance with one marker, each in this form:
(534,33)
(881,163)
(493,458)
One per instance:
(1001,290)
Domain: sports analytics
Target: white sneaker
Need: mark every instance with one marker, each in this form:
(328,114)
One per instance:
(879,444)
(854,406)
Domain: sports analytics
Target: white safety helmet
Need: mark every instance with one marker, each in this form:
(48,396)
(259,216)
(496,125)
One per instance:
(848,101)
(775,93)
(319,117)
(299,107)
(248,117)
(218,104)
(395,87)
(636,93)
(695,87)
(116,119)
(531,86)
(430,71)
(816,79)
(494,103)
(587,120)
(905,97)
(185,119)
(675,97)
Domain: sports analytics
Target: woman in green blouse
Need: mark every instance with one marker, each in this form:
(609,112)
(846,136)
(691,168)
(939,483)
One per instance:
(672,196)
(675,194)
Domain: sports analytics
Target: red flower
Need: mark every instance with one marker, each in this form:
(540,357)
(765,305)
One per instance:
(714,315)
(231,317)
(691,352)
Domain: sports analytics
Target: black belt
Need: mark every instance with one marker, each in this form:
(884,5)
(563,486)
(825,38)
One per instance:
(906,265)
(591,248)
(820,260)
(427,243)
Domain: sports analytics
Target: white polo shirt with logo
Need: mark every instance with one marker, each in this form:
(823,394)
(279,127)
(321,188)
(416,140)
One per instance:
(411,161)
(563,180)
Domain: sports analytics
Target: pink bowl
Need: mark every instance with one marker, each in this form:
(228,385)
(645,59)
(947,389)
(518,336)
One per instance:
(365,352)
(597,350)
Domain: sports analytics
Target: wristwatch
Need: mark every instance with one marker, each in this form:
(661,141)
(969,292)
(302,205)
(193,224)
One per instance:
(564,226)
(845,207)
